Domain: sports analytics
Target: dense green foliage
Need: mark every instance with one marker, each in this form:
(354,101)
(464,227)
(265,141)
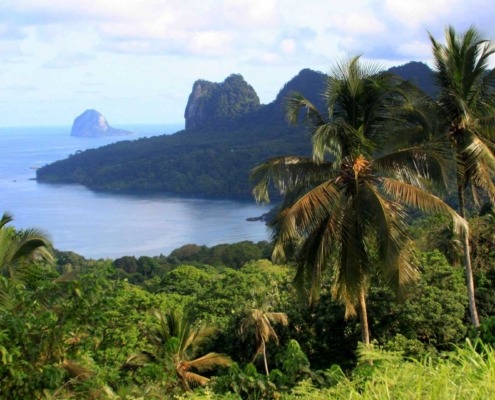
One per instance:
(211,103)
(186,325)
(74,329)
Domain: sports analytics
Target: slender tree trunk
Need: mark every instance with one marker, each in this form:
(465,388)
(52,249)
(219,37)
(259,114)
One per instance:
(182,378)
(473,312)
(264,357)
(363,315)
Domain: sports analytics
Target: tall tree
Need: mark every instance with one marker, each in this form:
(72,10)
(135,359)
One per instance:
(352,206)
(467,104)
(260,322)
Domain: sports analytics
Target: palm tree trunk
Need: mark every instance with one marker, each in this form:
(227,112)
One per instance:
(363,315)
(473,312)
(181,374)
(264,356)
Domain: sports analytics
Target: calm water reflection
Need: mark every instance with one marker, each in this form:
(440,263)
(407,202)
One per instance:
(105,225)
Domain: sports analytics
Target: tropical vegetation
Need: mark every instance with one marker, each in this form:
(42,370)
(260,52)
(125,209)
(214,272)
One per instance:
(273,320)
(349,207)
(466,101)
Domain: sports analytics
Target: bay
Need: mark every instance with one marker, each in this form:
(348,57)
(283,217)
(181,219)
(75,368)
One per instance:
(103,225)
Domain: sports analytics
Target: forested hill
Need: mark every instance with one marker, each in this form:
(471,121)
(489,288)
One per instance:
(213,159)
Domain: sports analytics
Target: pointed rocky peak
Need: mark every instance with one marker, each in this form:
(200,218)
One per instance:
(211,102)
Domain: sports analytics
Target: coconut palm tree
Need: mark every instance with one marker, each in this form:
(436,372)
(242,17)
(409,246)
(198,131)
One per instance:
(352,207)
(260,322)
(19,249)
(467,109)
(177,343)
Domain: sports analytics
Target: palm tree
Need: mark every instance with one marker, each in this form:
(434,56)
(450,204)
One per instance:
(467,104)
(261,322)
(353,206)
(19,249)
(177,343)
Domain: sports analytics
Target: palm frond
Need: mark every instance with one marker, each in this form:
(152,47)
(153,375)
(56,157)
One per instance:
(260,321)
(315,254)
(138,360)
(295,104)
(196,337)
(195,379)
(420,165)
(278,318)
(352,273)
(76,370)
(207,362)
(6,218)
(287,173)
(7,300)
(67,277)
(299,221)
(33,244)
(415,197)
(327,138)
(479,164)
(394,244)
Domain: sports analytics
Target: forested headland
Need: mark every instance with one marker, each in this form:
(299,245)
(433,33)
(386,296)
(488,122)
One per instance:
(373,285)
(212,159)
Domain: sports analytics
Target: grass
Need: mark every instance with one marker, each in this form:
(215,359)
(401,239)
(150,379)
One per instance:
(466,373)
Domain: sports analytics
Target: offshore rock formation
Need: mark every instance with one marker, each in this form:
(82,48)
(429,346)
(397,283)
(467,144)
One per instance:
(211,103)
(92,124)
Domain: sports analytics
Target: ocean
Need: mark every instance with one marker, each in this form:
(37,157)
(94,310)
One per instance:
(101,225)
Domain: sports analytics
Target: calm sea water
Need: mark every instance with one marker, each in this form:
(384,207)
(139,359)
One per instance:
(100,225)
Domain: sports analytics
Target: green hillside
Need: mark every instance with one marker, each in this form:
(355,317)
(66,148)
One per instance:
(213,160)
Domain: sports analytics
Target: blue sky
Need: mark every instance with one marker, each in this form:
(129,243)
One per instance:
(135,61)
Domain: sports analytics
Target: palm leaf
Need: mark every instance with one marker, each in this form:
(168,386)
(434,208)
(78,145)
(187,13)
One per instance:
(278,318)
(394,244)
(287,173)
(33,244)
(415,197)
(296,102)
(6,218)
(195,379)
(76,370)
(479,164)
(315,256)
(196,337)
(352,273)
(207,362)
(424,165)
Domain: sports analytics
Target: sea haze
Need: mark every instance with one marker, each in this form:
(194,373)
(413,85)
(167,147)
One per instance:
(102,225)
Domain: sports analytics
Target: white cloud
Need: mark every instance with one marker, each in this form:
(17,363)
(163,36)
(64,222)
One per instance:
(270,58)
(414,50)
(141,47)
(18,88)
(210,43)
(9,31)
(288,46)
(356,23)
(10,52)
(143,26)
(69,60)
(420,13)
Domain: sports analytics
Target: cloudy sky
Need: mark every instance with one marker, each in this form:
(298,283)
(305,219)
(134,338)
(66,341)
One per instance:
(135,61)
